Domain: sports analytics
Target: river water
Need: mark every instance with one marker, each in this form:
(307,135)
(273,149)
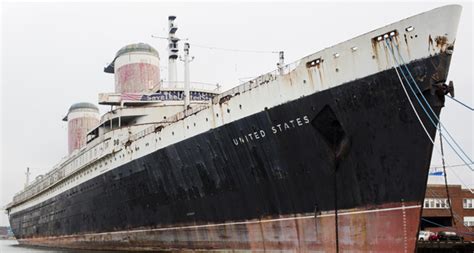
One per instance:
(11,246)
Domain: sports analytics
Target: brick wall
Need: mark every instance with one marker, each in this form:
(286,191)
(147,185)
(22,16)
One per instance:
(440,214)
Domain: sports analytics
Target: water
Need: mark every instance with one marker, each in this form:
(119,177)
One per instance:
(11,246)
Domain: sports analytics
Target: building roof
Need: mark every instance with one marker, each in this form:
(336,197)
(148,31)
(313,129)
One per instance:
(137,47)
(81,105)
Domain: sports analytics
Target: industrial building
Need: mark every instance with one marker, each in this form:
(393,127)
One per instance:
(439,215)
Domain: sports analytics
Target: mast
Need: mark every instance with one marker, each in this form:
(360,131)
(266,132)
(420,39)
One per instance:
(27,177)
(281,62)
(172,52)
(187,84)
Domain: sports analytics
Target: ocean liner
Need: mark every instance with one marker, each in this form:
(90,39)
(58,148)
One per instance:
(329,154)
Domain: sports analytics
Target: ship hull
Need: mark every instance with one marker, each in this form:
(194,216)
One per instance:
(296,233)
(269,181)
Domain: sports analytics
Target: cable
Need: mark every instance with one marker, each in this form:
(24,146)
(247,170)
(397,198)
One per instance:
(445,176)
(416,113)
(432,121)
(452,166)
(468,107)
(224,49)
(428,105)
(424,109)
(409,100)
(235,50)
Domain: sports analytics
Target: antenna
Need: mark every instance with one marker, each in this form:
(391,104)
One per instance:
(172,52)
(27,177)
(281,62)
(187,82)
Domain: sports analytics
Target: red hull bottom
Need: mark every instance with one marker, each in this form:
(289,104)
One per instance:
(384,228)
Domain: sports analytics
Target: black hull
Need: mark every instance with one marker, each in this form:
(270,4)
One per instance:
(364,131)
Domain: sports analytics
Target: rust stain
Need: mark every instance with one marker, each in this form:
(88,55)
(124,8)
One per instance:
(310,78)
(408,47)
(441,41)
(314,63)
(225,99)
(320,73)
(430,43)
(375,48)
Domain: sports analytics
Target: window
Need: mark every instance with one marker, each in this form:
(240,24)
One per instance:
(468,203)
(469,221)
(438,203)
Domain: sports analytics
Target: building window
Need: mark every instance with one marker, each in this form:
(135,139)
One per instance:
(436,203)
(469,221)
(468,203)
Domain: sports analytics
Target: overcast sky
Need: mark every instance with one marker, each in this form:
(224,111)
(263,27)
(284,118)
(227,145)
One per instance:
(53,55)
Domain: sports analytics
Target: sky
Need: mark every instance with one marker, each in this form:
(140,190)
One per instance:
(53,54)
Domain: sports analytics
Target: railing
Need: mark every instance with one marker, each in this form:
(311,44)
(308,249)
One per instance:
(175,118)
(215,87)
(255,82)
(58,172)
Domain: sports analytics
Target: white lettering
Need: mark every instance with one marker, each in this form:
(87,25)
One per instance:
(250,135)
(259,134)
(306,120)
(292,122)
(298,121)
(279,127)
